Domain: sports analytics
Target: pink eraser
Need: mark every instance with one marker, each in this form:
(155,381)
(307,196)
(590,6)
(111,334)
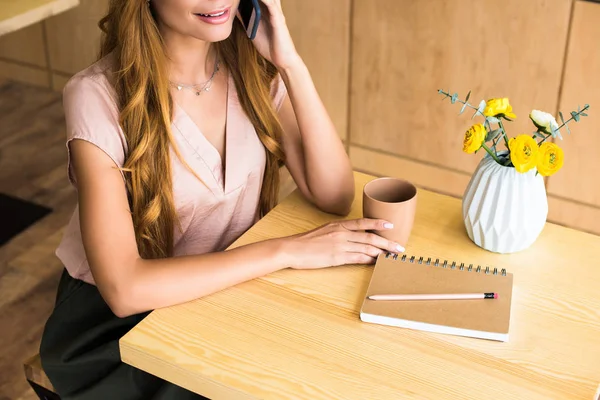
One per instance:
(495,295)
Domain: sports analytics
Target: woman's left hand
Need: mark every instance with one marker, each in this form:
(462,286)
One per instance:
(273,40)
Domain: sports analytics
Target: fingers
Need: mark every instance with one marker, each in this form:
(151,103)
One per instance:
(365,224)
(273,12)
(359,258)
(271,4)
(376,241)
(363,248)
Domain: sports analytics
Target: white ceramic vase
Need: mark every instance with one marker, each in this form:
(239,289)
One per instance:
(504,211)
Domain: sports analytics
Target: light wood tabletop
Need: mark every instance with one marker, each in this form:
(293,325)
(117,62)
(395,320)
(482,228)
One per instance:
(17,14)
(297,334)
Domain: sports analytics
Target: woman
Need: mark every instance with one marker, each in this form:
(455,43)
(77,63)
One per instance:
(175,139)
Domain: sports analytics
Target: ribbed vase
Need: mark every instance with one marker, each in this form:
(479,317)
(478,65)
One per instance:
(504,210)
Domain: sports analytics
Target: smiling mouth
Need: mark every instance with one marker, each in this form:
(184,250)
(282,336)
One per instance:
(212,15)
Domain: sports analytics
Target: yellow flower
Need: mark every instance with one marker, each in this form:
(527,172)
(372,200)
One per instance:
(495,107)
(550,159)
(474,138)
(523,152)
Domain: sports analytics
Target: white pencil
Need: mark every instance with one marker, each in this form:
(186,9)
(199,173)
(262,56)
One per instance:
(453,296)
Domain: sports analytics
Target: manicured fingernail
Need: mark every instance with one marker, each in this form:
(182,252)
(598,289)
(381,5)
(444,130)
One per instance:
(400,248)
(388,225)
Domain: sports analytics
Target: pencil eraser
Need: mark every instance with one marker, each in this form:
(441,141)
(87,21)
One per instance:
(495,295)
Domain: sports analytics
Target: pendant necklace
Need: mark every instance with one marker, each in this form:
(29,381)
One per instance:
(199,87)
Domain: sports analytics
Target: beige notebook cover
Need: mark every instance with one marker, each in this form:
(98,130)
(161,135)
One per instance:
(486,319)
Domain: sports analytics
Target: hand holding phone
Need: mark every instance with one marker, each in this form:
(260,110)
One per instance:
(250,14)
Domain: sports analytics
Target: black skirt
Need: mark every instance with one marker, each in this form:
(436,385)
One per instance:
(80,350)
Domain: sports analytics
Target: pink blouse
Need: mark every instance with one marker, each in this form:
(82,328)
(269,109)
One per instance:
(213,214)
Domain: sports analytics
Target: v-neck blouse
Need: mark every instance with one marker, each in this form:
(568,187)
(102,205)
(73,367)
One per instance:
(213,212)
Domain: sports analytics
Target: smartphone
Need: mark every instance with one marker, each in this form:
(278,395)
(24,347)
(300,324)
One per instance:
(250,12)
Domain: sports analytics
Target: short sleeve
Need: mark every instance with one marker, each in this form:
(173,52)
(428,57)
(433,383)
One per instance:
(278,92)
(91,114)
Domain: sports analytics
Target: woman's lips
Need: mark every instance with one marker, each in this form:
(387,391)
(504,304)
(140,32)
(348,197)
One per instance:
(215,17)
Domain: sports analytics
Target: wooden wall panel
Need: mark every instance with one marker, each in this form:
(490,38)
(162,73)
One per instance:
(74,36)
(59,81)
(18,14)
(321,33)
(440,180)
(23,73)
(574,215)
(25,45)
(578,178)
(404,51)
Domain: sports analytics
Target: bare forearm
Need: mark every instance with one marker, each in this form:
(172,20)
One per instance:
(164,282)
(328,169)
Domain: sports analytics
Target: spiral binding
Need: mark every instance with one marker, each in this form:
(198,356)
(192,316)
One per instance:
(444,264)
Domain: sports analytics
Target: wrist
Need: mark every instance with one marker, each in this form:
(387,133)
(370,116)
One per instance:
(291,66)
(280,252)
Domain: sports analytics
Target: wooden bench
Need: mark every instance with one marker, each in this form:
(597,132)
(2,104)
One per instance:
(38,380)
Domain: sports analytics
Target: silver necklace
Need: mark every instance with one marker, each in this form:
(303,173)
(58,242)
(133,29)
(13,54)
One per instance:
(199,87)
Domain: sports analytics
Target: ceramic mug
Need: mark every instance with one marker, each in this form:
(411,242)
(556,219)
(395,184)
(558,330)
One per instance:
(393,200)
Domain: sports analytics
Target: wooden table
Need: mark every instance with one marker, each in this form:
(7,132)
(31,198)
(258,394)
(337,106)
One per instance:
(297,334)
(17,14)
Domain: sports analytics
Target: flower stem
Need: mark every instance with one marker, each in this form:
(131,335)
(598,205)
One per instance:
(503,132)
(459,100)
(543,140)
(491,153)
(570,119)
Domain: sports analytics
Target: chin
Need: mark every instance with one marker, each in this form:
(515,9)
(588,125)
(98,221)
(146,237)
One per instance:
(214,34)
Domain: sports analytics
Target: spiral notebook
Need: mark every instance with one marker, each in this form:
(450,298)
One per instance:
(480,318)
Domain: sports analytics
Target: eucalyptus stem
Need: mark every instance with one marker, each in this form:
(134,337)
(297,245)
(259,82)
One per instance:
(503,132)
(543,140)
(494,143)
(491,153)
(571,119)
(565,123)
(459,100)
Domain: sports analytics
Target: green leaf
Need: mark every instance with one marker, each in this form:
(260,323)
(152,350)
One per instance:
(454,97)
(555,133)
(578,109)
(568,129)
(480,109)
(575,116)
(561,117)
(493,134)
(539,134)
(462,109)
(468,95)
(492,120)
(583,114)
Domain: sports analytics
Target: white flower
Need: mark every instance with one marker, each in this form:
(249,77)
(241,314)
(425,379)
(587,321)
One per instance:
(545,122)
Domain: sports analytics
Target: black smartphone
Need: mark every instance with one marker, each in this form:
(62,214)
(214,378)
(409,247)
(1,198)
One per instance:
(250,12)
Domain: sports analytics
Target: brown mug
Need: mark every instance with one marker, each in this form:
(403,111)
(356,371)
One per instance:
(393,200)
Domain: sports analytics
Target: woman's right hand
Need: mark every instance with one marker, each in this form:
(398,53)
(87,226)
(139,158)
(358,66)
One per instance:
(338,243)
